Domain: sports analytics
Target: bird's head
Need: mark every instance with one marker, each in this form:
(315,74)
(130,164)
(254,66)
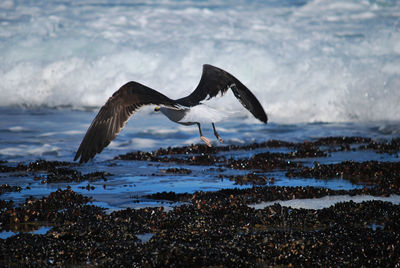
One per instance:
(157,109)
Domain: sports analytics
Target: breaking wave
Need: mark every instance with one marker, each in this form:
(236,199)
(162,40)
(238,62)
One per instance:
(306,61)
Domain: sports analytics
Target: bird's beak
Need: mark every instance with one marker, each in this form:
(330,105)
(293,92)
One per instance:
(157,108)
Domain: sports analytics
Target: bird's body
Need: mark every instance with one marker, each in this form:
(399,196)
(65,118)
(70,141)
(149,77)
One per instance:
(201,113)
(189,110)
(175,115)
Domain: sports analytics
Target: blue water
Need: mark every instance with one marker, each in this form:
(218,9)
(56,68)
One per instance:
(319,68)
(55,134)
(40,230)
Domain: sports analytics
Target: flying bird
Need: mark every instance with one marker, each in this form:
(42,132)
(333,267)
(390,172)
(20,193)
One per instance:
(188,110)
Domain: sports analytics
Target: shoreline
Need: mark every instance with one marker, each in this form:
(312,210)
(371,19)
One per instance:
(209,228)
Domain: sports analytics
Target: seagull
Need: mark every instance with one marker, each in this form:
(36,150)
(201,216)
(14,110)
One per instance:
(188,110)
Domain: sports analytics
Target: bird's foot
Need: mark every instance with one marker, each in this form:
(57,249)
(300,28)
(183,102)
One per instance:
(206,141)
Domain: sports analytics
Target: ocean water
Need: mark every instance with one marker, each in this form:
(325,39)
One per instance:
(319,68)
(307,61)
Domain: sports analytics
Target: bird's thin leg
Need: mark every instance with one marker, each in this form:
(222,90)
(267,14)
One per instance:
(216,134)
(206,141)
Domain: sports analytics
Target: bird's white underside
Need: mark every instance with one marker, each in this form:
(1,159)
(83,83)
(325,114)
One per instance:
(201,113)
(204,113)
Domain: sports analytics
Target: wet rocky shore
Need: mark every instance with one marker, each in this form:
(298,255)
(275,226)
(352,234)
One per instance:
(214,228)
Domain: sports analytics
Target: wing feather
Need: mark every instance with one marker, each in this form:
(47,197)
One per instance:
(214,81)
(113,116)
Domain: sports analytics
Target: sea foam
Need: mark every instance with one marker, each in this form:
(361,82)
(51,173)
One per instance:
(306,61)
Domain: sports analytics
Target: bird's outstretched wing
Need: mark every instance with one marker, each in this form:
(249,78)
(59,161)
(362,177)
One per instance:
(113,116)
(215,80)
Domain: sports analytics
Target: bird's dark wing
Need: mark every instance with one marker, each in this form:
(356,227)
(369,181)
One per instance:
(113,116)
(215,80)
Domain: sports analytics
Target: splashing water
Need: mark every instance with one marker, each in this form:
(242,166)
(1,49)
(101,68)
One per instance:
(307,61)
